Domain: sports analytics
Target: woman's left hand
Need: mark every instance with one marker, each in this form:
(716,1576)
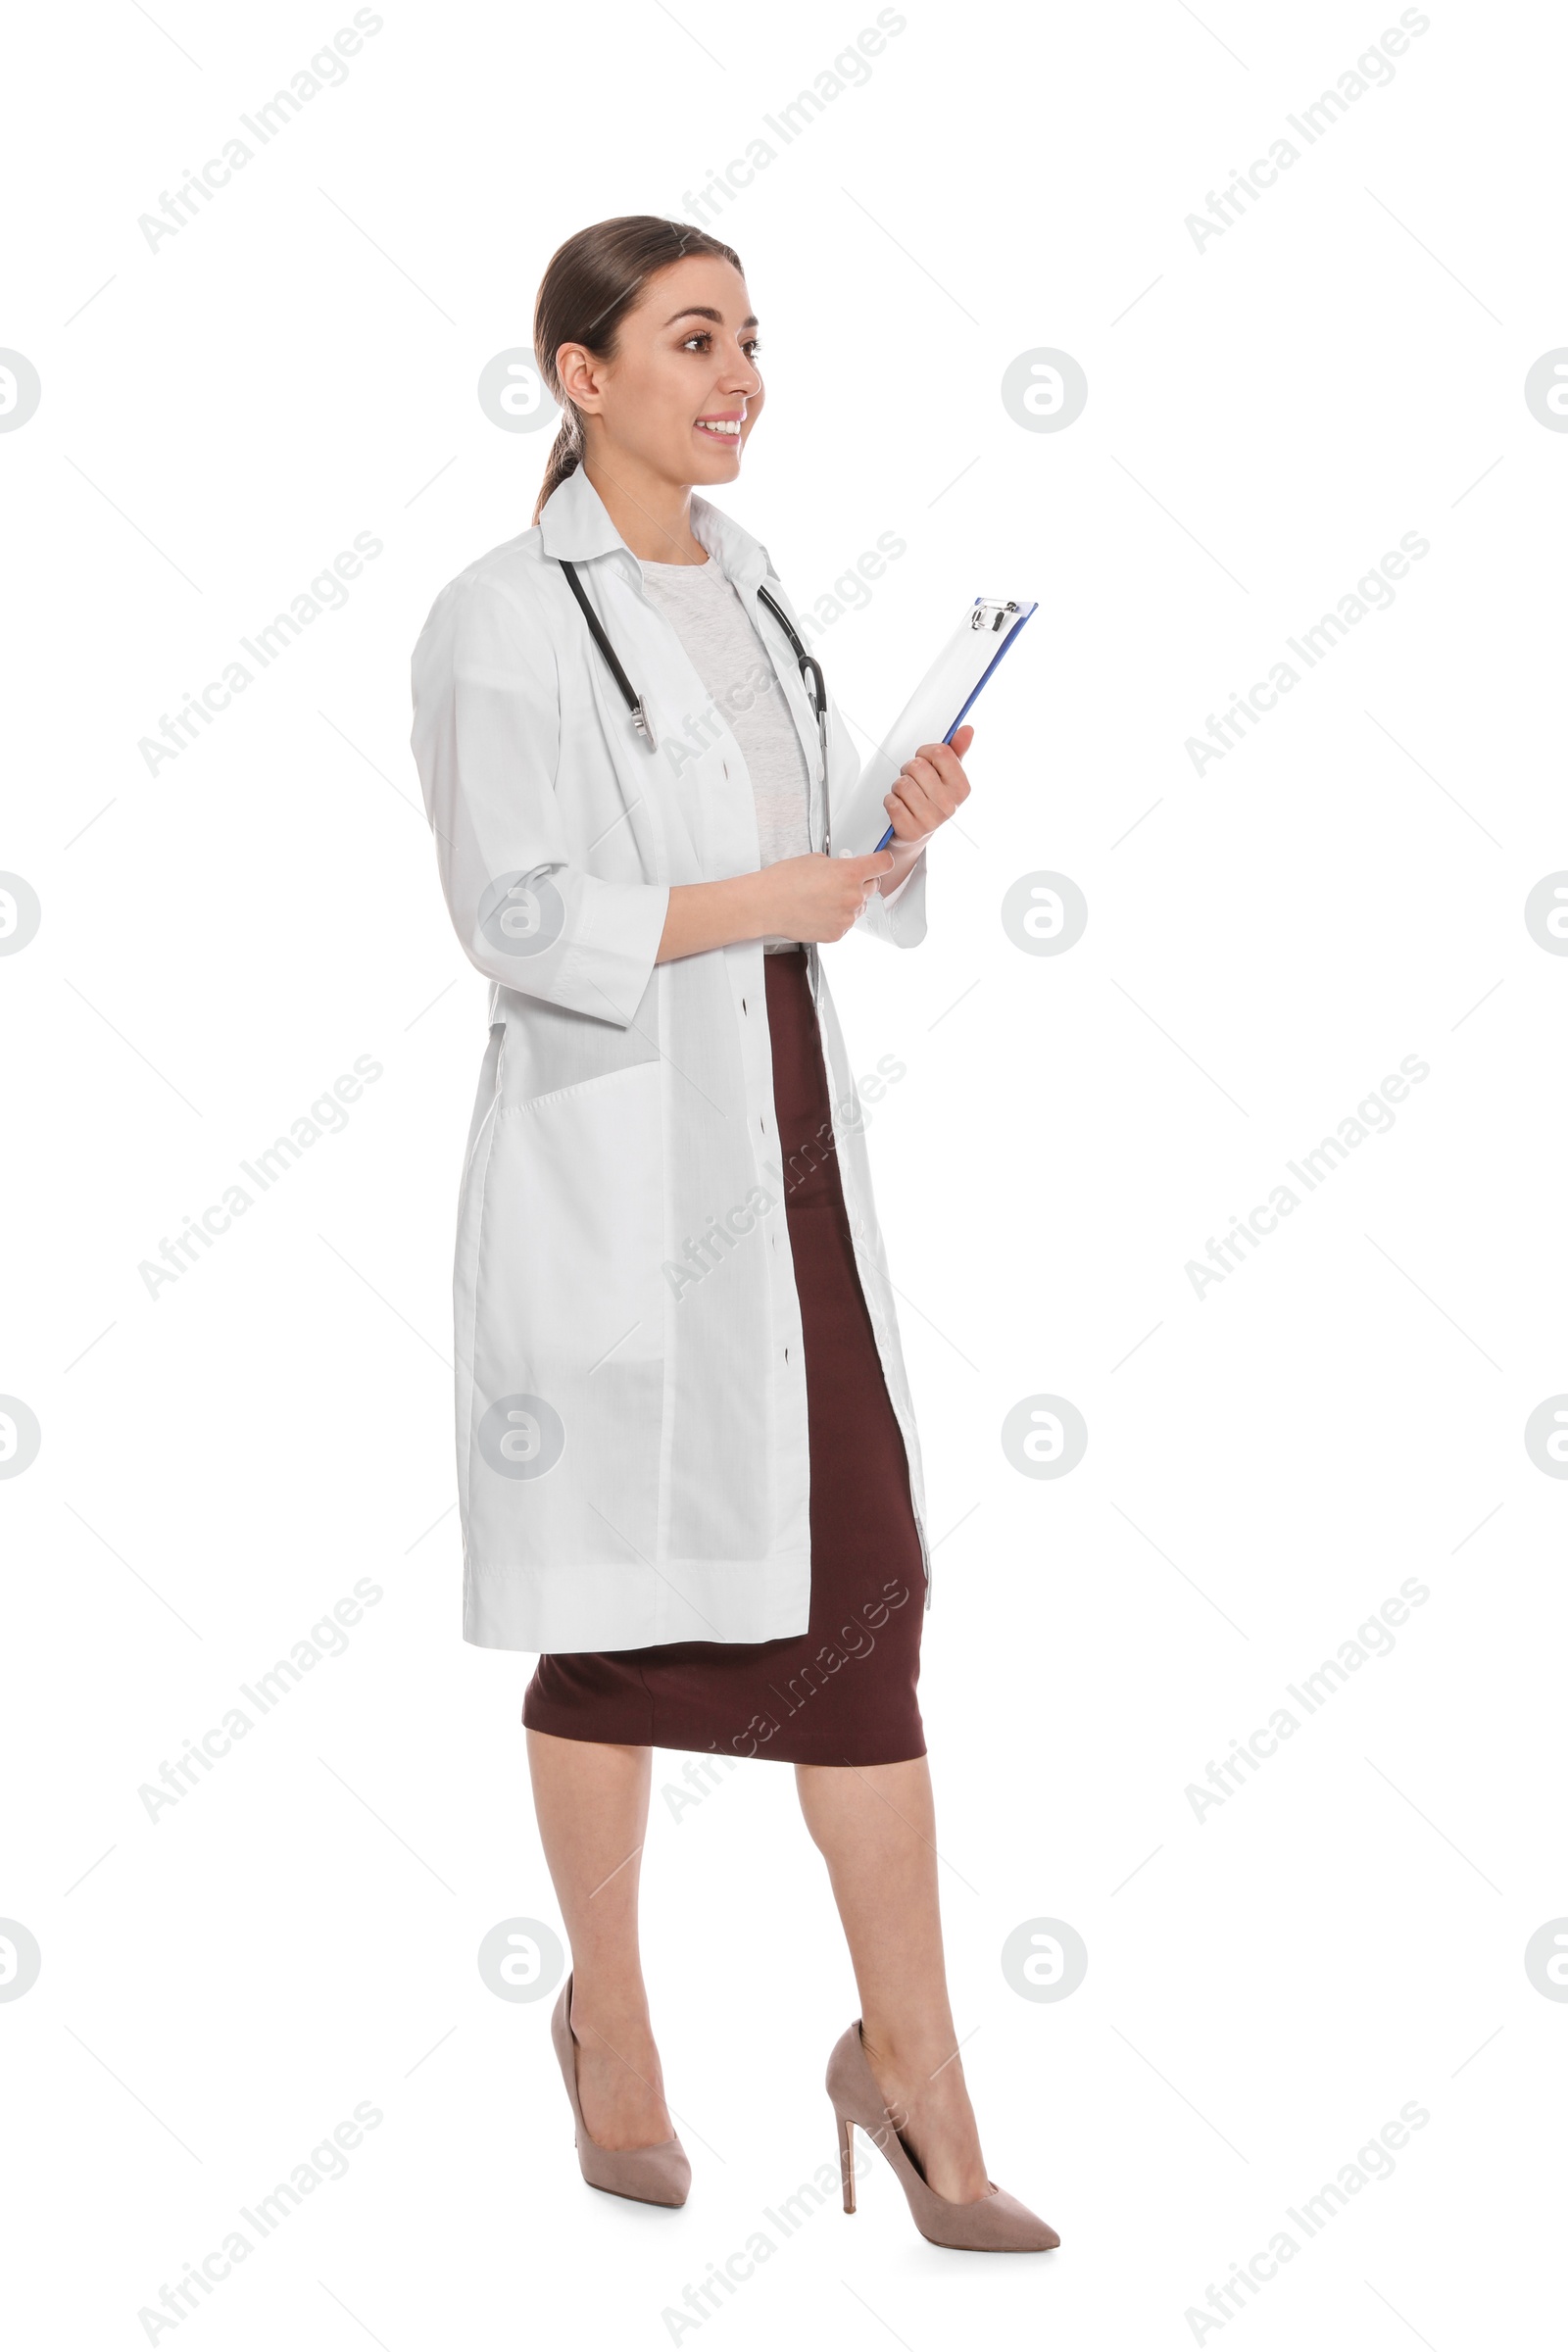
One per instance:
(930,787)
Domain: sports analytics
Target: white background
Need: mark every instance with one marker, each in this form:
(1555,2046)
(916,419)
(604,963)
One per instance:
(1266,416)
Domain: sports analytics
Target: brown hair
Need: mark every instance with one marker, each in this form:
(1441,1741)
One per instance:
(590,284)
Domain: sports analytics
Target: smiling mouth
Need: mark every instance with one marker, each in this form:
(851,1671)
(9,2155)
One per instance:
(720,428)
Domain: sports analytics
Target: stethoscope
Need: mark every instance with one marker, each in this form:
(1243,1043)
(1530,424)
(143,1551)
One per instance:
(811,676)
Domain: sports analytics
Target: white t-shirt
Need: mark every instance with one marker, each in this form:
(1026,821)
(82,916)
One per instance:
(706,611)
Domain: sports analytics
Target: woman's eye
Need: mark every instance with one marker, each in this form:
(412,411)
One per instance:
(701,336)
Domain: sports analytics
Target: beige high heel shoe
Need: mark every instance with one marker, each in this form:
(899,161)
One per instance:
(995,2223)
(656,2175)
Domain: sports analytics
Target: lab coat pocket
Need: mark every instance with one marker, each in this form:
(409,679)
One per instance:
(551,1050)
(576,1217)
(570,1323)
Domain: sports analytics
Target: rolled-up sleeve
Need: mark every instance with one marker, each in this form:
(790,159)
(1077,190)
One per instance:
(899,917)
(487,741)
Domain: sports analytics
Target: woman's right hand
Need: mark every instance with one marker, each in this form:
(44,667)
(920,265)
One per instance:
(818,898)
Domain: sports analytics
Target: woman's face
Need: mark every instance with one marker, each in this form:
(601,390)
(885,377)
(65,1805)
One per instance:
(683,391)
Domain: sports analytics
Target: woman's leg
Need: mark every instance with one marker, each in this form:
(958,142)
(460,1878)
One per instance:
(591,1799)
(876,1827)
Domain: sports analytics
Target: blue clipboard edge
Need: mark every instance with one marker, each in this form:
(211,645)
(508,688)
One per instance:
(1024,612)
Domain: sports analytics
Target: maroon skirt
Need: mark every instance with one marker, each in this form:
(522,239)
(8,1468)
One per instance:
(843,1692)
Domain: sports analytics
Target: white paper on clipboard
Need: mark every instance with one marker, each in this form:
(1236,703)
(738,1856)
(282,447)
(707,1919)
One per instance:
(933,713)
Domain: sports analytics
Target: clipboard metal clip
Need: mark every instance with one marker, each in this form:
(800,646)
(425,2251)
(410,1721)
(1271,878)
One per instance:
(989,614)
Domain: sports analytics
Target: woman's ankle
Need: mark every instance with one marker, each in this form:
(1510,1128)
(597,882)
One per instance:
(617,2013)
(916,2060)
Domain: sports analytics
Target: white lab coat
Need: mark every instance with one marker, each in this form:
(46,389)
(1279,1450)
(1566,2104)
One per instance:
(632,1420)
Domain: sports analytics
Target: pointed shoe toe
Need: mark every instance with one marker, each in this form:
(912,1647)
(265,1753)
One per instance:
(995,2225)
(656,2175)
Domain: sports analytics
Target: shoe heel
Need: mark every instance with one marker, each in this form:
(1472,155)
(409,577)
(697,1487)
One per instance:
(847,2159)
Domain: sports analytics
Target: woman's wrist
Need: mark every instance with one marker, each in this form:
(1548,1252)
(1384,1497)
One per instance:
(903,854)
(759,902)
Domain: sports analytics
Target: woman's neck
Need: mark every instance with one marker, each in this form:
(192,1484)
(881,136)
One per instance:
(652,516)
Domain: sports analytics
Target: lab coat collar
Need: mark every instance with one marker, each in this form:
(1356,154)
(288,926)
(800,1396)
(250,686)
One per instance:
(574,523)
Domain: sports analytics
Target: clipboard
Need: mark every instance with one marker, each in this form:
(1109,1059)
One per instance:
(951,686)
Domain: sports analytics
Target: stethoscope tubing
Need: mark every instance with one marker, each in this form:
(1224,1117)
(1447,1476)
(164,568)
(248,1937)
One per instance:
(810,667)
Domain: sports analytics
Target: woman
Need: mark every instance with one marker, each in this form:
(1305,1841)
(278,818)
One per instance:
(687,1459)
